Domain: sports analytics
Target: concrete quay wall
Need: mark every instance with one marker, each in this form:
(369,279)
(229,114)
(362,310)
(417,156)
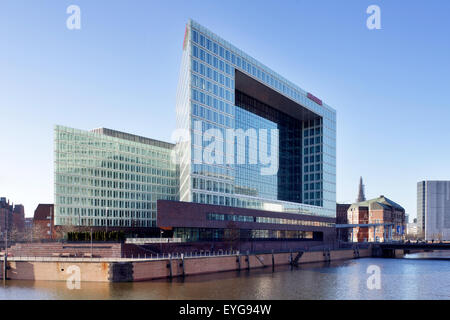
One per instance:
(57,270)
(147,269)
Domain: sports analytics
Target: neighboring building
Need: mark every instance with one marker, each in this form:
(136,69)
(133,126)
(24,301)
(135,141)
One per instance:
(12,218)
(412,229)
(224,89)
(341,218)
(433,210)
(5,215)
(248,229)
(28,225)
(43,222)
(381,219)
(19,218)
(106,178)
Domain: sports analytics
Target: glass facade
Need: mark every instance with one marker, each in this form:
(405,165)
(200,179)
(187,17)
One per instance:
(421,206)
(271,220)
(286,184)
(211,234)
(210,97)
(433,210)
(110,178)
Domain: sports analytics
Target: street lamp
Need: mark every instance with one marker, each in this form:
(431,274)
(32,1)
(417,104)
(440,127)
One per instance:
(160,240)
(6,255)
(107,221)
(91,245)
(51,223)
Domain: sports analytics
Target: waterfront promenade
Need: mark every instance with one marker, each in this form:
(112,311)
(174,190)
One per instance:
(163,266)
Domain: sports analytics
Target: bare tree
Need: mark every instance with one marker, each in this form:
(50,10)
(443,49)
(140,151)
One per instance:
(232,235)
(15,235)
(38,232)
(61,231)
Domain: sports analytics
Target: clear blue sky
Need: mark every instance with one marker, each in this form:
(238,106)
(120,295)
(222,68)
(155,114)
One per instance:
(390,87)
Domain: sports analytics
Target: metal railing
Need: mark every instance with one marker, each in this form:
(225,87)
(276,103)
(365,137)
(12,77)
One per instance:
(139,257)
(152,240)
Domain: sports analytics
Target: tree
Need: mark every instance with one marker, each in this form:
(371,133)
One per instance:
(420,235)
(232,235)
(62,230)
(39,232)
(16,235)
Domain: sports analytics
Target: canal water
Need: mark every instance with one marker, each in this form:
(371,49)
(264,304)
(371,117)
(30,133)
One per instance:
(417,276)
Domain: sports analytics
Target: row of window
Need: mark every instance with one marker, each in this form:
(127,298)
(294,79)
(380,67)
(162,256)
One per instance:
(271,220)
(311,150)
(97,158)
(255,203)
(145,173)
(209,100)
(216,63)
(121,204)
(312,131)
(318,203)
(150,184)
(211,234)
(140,194)
(313,167)
(311,141)
(104,222)
(212,60)
(107,213)
(229,217)
(214,199)
(201,126)
(215,186)
(313,195)
(212,116)
(312,186)
(225,173)
(76,141)
(205,85)
(312,177)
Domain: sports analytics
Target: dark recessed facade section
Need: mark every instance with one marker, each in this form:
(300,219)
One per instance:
(289,176)
(205,222)
(268,96)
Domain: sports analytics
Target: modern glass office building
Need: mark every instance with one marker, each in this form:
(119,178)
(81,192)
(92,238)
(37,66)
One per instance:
(221,89)
(110,178)
(433,210)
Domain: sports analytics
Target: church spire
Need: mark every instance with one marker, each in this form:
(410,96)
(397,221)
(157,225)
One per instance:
(361,196)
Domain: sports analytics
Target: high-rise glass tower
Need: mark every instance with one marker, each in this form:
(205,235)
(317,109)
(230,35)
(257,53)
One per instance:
(433,210)
(221,90)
